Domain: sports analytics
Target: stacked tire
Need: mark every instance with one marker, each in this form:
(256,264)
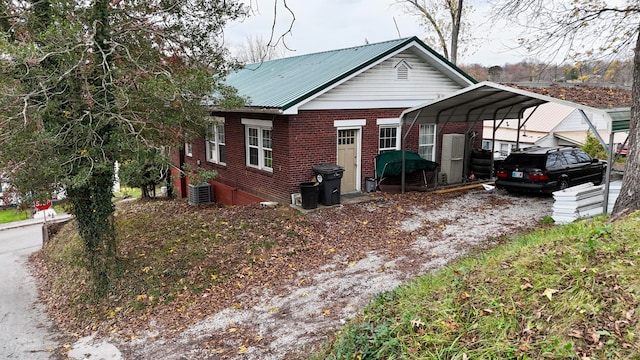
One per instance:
(481,163)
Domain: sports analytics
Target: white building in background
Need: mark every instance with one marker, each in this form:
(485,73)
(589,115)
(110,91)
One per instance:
(116,178)
(550,124)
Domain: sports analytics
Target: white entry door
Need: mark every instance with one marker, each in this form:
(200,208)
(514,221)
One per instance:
(348,146)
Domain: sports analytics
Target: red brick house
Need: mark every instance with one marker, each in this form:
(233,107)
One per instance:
(338,107)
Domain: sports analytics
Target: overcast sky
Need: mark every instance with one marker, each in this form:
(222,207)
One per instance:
(322,25)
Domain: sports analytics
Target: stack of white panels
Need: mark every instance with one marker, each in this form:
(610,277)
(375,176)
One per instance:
(577,202)
(614,191)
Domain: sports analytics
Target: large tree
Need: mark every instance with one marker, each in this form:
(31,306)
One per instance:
(256,50)
(575,29)
(443,19)
(86,83)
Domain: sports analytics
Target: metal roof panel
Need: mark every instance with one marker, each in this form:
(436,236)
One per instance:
(282,83)
(483,101)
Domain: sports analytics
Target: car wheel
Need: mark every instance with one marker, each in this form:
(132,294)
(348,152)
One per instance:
(564,183)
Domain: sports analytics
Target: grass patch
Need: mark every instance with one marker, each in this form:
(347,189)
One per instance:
(567,292)
(10,215)
(127,192)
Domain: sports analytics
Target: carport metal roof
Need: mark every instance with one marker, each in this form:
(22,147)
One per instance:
(483,101)
(491,101)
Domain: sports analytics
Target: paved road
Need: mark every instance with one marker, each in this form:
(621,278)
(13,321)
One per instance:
(24,329)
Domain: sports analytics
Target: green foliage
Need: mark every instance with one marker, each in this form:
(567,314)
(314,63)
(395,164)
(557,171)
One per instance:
(83,87)
(593,147)
(547,220)
(367,341)
(93,210)
(590,246)
(198,175)
(147,170)
(571,73)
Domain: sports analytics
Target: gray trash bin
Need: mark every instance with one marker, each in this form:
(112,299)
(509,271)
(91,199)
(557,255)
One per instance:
(329,176)
(370,184)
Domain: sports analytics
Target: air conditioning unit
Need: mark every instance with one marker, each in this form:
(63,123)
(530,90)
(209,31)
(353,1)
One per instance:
(199,194)
(452,162)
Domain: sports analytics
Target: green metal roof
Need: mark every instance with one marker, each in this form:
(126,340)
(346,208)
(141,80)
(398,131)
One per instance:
(283,83)
(620,119)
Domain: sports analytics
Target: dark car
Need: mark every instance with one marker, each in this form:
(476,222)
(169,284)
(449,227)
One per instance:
(545,170)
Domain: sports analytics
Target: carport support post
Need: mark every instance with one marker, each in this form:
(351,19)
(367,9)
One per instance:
(404,146)
(607,177)
(595,131)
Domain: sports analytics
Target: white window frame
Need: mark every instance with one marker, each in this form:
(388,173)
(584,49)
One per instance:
(426,145)
(260,127)
(188,149)
(215,140)
(393,123)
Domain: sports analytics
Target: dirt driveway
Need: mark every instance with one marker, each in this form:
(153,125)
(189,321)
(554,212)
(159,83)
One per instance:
(289,321)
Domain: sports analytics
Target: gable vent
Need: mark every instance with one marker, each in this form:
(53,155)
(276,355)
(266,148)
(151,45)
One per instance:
(402,70)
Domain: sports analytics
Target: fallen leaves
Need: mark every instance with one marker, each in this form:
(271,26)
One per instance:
(548,292)
(417,323)
(526,286)
(594,96)
(222,257)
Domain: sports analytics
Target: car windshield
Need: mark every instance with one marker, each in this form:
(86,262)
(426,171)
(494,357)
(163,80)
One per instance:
(525,160)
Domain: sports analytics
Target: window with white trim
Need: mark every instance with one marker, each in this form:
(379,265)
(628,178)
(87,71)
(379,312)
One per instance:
(188,149)
(215,142)
(259,141)
(388,139)
(427,141)
(486,145)
(388,134)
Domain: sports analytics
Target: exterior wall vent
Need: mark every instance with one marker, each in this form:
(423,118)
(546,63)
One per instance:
(402,70)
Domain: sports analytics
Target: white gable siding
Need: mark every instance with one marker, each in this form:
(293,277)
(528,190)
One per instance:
(380,87)
(575,122)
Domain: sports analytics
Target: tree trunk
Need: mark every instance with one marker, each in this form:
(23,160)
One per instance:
(629,194)
(456,21)
(93,210)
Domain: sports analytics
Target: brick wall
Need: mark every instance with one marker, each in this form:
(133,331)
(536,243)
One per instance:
(299,142)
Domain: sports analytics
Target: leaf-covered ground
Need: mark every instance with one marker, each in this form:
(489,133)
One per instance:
(264,283)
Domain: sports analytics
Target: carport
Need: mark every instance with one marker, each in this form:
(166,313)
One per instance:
(491,101)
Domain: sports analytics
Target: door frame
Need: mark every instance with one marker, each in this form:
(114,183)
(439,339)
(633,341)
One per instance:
(352,125)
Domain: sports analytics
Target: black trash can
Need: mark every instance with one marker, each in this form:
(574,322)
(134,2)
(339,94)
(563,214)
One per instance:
(329,176)
(309,194)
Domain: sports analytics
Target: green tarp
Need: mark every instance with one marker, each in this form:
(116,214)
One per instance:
(390,163)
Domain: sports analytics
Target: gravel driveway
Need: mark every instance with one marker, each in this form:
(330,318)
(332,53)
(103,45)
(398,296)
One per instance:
(290,321)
